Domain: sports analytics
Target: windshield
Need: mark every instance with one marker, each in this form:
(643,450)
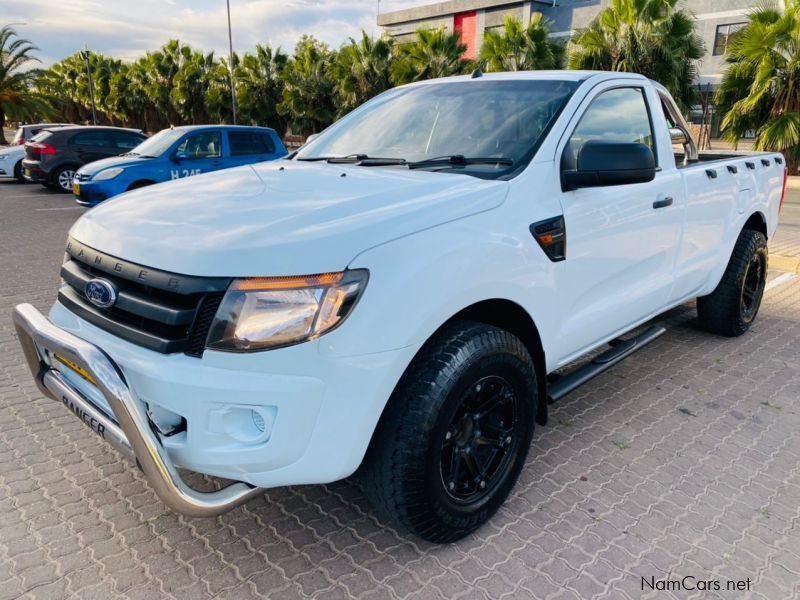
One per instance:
(158,144)
(487,118)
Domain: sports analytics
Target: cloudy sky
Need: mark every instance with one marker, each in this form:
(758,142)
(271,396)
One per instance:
(127,28)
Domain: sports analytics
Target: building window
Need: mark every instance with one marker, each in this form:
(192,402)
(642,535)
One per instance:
(724,36)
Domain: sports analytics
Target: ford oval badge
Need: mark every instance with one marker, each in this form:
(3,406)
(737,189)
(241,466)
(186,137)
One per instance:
(100,292)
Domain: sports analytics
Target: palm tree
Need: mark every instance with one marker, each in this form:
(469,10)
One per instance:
(259,87)
(435,53)
(62,85)
(161,68)
(127,99)
(651,37)
(66,87)
(362,71)
(16,99)
(308,87)
(519,48)
(760,90)
(190,85)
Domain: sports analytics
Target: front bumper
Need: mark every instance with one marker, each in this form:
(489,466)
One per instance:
(130,430)
(319,410)
(91,193)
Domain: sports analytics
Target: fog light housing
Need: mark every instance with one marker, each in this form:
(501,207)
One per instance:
(243,423)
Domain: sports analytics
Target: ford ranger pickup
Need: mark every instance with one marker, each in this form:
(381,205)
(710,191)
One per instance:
(403,296)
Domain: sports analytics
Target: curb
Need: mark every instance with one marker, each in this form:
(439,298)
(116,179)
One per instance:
(790,264)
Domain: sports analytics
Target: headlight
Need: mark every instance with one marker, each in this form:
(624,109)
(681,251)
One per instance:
(266,312)
(108,174)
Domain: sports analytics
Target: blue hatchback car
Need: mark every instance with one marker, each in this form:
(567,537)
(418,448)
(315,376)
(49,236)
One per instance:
(173,154)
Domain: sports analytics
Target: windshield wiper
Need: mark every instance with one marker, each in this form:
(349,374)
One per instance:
(346,158)
(360,159)
(460,160)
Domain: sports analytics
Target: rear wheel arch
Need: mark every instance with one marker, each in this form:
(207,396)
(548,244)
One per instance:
(63,166)
(756,222)
(54,173)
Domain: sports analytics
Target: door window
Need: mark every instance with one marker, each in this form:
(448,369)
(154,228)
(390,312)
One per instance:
(97,139)
(246,143)
(617,115)
(207,144)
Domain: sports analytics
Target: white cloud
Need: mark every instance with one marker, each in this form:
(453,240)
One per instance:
(126,29)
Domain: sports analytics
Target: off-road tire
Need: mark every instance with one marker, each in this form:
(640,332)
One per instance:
(404,471)
(732,307)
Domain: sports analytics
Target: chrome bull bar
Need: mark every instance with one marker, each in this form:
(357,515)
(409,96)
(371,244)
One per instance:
(132,432)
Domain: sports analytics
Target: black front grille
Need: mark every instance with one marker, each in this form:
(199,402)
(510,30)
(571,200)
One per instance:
(160,310)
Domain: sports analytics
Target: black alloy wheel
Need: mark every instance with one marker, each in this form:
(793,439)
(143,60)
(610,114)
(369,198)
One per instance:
(479,445)
(753,286)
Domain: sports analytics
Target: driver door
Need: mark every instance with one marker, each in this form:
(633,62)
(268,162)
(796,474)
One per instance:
(198,153)
(621,239)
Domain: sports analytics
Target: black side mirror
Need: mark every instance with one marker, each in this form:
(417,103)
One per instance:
(603,163)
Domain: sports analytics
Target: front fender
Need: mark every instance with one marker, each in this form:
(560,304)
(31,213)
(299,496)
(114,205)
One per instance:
(420,281)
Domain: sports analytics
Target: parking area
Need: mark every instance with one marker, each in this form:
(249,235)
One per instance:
(681,462)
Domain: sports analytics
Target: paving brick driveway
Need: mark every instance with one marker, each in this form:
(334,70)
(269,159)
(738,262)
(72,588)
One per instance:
(683,460)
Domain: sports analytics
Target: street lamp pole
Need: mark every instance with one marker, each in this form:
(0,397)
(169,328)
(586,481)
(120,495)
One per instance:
(230,62)
(85,55)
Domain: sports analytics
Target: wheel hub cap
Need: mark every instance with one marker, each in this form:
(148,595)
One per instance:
(480,444)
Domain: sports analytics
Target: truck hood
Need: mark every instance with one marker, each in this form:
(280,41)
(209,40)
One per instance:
(278,218)
(114,161)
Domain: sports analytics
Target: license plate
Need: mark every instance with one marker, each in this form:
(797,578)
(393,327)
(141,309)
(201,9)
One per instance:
(79,370)
(76,189)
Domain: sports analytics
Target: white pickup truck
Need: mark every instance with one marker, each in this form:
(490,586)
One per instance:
(396,297)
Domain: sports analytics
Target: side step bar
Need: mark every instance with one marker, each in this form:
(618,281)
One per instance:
(620,350)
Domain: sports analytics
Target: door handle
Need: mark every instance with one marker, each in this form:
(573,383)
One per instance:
(663,202)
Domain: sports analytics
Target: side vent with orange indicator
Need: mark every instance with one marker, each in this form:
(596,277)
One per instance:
(551,235)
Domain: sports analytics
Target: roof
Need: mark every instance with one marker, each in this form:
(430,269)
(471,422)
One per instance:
(101,127)
(218,126)
(562,75)
(45,125)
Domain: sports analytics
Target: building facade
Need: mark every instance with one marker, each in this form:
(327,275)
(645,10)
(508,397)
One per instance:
(716,20)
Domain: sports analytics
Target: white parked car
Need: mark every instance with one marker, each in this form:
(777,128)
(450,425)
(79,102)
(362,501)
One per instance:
(11,156)
(396,296)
